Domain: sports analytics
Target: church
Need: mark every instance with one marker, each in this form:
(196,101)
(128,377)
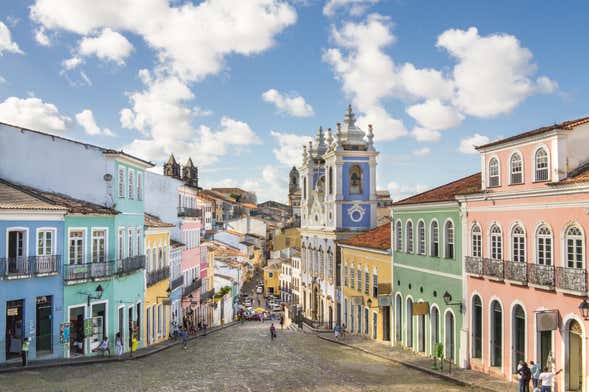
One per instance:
(338,201)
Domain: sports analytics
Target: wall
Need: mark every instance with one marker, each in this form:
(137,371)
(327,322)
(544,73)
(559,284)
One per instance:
(161,199)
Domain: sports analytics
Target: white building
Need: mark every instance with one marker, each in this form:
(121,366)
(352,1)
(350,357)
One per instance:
(285,280)
(295,285)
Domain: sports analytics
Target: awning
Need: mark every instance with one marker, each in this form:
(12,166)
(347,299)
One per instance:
(357,300)
(420,308)
(547,320)
(385,300)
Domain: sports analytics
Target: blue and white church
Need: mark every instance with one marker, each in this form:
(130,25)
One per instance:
(338,201)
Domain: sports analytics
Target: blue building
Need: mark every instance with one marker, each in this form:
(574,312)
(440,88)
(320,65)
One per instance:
(338,200)
(31,284)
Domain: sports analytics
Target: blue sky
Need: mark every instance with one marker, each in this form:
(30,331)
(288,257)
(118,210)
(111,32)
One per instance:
(237,85)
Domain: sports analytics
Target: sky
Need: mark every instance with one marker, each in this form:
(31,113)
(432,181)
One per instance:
(239,86)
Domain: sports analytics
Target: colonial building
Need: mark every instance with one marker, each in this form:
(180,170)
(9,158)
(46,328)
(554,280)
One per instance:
(294,191)
(338,200)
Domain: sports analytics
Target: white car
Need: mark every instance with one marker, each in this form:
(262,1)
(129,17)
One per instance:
(276,307)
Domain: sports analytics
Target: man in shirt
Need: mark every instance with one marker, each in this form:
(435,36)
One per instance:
(545,379)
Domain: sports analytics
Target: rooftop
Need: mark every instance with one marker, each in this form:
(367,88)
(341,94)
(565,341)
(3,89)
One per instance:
(578,175)
(176,244)
(153,221)
(377,238)
(446,192)
(11,197)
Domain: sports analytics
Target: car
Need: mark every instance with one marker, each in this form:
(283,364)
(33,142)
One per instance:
(276,308)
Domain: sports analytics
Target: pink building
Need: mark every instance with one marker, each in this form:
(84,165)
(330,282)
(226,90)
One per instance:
(526,246)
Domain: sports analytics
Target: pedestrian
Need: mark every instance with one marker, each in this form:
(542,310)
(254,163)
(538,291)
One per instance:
(524,377)
(336,331)
(204,327)
(134,343)
(199,325)
(119,344)
(281,322)
(545,379)
(272,332)
(24,353)
(535,369)
(343,331)
(184,334)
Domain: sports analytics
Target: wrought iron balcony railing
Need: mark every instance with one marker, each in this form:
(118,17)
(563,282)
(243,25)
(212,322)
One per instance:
(516,271)
(104,269)
(474,265)
(157,275)
(189,212)
(193,286)
(207,295)
(493,268)
(26,266)
(574,279)
(131,264)
(541,275)
(178,282)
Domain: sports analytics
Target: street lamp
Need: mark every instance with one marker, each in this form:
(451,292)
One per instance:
(448,299)
(584,309)
(99,290)
(369,303)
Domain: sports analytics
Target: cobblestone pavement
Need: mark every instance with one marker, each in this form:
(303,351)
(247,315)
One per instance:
(240,358)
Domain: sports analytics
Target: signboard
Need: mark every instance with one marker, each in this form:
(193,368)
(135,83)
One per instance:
(12,312)
(420,308)
(64,333)
(547,320)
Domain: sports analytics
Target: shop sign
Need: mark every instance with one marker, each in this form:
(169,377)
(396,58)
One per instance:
(12,312)
(420,308)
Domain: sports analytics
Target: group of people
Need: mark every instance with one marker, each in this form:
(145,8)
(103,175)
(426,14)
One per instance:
(541,380)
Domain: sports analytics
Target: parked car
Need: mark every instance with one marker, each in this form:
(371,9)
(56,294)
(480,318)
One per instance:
(276,308)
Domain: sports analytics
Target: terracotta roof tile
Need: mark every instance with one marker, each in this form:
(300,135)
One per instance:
(564,125)
(580,174)
(176,244)
(153,221)
(11,197)
(378,238)
(447,192)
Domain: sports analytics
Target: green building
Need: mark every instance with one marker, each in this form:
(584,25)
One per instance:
(428,284)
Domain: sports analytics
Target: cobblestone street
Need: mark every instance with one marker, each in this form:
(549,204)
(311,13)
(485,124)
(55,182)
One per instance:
(240,358)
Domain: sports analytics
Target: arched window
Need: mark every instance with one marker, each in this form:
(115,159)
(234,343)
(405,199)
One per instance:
(409,319)
(544,246)
(477,327)
(476,240)
(305,188)
(321,262)
(409,235)
(449,237)
(329,264)
(574,247)
(496,334)
(352,273)
(519,335)
(496,243)
(518,244)
(435,239)
(421,238)
(541,165)
(355,180)
(345,277)
(493,172)
(399,236)
(516,169)
(330,180)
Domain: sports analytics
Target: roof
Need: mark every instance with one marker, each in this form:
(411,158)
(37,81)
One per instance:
(377,238)
(11,197)
(249,205)
(447,192)
(578,175)
(153,221)
(568,125)
(176,244)
(74,206)
(218,195)
(237,191)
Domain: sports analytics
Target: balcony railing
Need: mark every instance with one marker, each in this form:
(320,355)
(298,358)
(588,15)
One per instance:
(157,275)
(193,286)
(179,281)
(474,265)
(131,264)
(189,212)
(516,271)
(541,275)
(23,267)
(574,279)
(103,269)
(207,295)
(493,268)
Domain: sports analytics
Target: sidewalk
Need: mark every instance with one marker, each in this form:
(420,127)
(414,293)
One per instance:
(141,353)
(470,378)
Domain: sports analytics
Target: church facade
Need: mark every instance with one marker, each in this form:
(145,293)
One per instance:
(338,200)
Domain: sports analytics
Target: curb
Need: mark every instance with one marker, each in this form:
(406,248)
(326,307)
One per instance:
(92,361)
(412,366)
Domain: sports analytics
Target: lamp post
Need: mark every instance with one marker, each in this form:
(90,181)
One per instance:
(584,309)
(448,300)
(99,291)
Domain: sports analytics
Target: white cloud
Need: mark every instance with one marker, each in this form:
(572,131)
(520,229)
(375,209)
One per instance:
(71,63)
(191,40)
(433,116)
(492,75)
(35,114)
(401,191)
(294,105)
(290,148)
(86,119)
(424,83)
(421,152)
(2,80)
(41,37)
(108,45)
(355,7)
(6,43)
(468,144)
(425,134)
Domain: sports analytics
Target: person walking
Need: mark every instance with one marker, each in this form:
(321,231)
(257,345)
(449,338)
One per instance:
(184,334)
(24,352)
(535,370)
(204,327)
(524,377)
(119,344)
(545,379)
(272,332)
(281,322)
(134,343)
(343,331)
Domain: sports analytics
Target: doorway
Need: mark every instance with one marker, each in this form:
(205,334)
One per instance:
(148,326)
(77,338)
(434,328)
(386,327)
(496,334)
(44,333)
(449,334)
(14,327)
(519,336)
(545,348)
(330,317)
(121,327)
(421,333)
(409,319)
(398,319)
(16,252)
(574,358)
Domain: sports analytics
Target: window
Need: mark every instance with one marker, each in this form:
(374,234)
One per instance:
(352,276)
(496,243)
(121,244)
(330,180)
(399,236)
(409,235)
(355,180)
(321,262)
(45,242)
(449,233)
(493,172)
(544,246)
(541,165)
(131,183)
(374,284)
(421,238)
(476,242)
(359,279)
(139,241)
(574,247)
(305,187)
(366,282)
(435,240)
(139,186)
(130,243)
(76,245)
(329,264)
(345,275)
(98,246)
(518,241)
(121,182)
(477,327)
(515,164)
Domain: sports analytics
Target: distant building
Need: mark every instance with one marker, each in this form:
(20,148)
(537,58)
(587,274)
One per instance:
(383,207)
(294,191)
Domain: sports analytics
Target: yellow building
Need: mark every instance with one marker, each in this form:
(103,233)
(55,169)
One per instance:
(366,281)
(287,238)
(272,278)
(157,273)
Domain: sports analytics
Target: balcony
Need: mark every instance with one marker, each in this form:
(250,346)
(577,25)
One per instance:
(493,268)
(474,265)
(516,271)
(573,279)
(207,295)
(195,285)
(24,267)
(178,282)
(155,276)
(189,212)
(101,270)
(541,275)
